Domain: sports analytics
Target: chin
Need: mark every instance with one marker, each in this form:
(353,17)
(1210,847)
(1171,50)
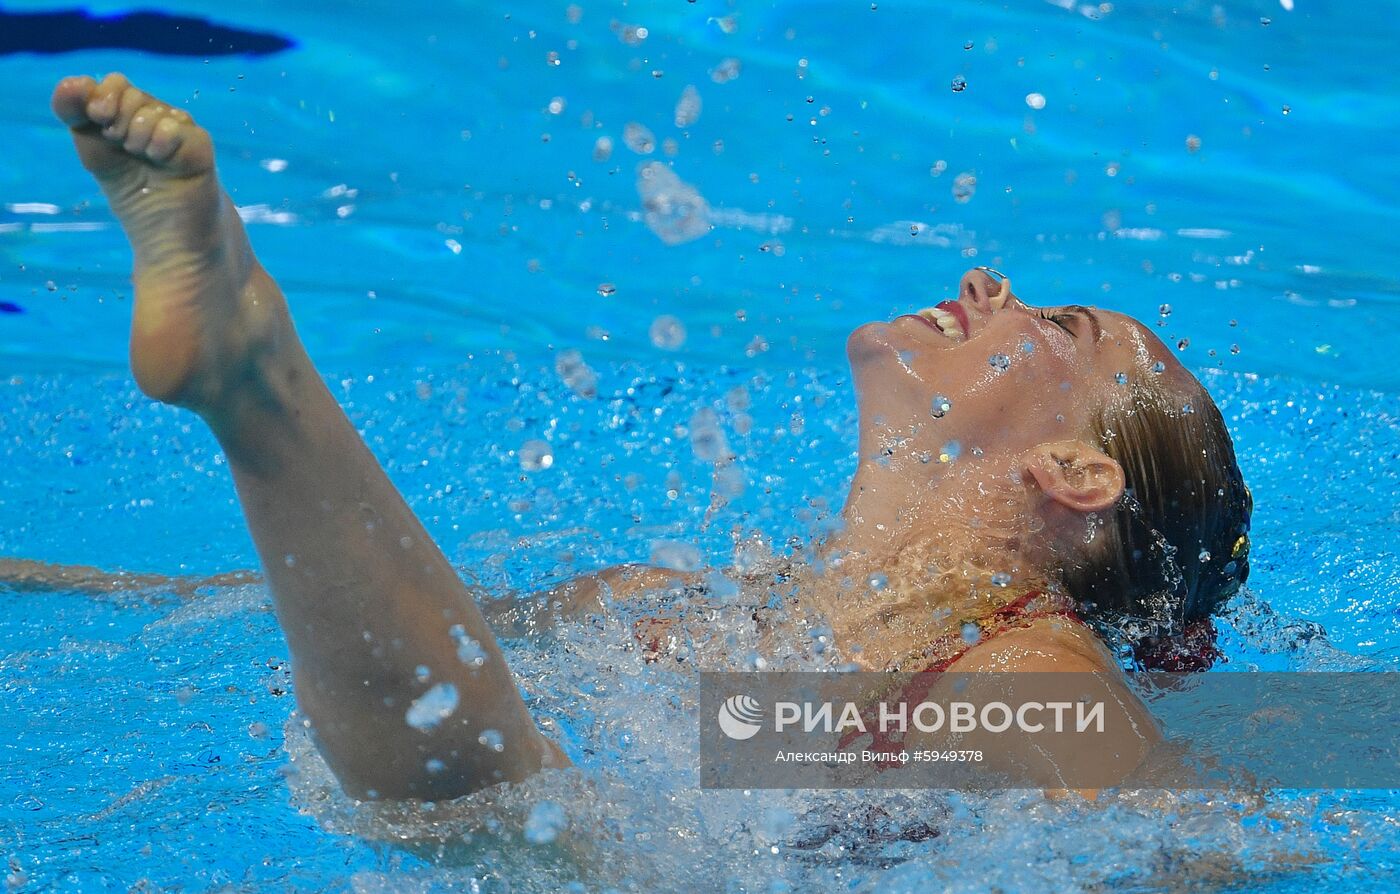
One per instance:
(870,343)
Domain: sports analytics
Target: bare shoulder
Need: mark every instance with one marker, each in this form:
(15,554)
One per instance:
(1052,644)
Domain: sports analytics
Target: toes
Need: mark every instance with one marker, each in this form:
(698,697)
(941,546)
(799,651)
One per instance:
(165,138)
(128,103)
(142,127)
(70,100)
(103,104)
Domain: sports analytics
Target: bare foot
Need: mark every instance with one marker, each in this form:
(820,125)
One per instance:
(202,301)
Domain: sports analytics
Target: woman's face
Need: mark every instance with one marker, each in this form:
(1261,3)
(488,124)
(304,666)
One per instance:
(989,375)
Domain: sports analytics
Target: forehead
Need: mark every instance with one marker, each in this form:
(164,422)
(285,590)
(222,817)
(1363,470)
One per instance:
(1122,333)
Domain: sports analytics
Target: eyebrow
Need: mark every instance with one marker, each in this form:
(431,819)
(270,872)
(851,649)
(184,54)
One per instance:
(1088,312)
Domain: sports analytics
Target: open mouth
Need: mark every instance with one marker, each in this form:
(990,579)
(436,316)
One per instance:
(948,317)
(952,319)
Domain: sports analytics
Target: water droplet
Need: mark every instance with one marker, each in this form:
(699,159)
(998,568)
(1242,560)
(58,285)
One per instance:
(1159,367)
(602,149)
(606,289)
(1035,101)
(726,71)
(1265,21)
(434,766)
(1183,344)
(707,438)
(422,672)
(535,455)
(949,452)
(1188,409)
(675,210)
(667,332)
(676,555)
(1001,579)
(1165,310)
(964,187)
(1287,109)
(639,138)
(492,739)
(940,407)
(546,820)
(1234,349)
(878,581)
(968,45)
(1121,378)
(688,107)
(289,560)
(1204,556)
(971,633)
(432,707)
(469,651)
(577,375)
(1027,348)
(999,361)
(959,84)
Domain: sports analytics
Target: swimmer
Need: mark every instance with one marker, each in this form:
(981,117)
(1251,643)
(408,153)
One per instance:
(1033,471)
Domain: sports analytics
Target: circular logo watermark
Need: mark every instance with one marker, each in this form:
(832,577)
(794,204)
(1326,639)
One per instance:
(740,717)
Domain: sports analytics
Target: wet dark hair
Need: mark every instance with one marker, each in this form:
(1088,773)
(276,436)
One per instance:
(1177,544)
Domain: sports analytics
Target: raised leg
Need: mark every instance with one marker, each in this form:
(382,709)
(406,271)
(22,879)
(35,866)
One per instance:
(400,674)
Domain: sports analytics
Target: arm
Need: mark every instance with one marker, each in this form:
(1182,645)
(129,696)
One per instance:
(27,575)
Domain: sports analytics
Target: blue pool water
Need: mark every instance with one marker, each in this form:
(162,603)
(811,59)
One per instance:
(445,235)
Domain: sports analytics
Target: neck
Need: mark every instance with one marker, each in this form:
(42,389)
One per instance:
(913,562)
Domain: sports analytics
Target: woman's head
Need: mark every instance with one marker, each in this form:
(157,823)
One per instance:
(1136,502)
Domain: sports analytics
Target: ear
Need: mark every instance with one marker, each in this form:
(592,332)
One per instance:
(1075,475)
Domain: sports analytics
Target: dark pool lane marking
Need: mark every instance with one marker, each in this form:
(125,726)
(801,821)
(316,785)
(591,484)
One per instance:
(69,30)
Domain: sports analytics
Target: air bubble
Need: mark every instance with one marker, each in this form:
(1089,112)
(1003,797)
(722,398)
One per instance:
(1035,101)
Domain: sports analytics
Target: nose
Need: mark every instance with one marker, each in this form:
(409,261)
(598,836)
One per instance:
(987,289)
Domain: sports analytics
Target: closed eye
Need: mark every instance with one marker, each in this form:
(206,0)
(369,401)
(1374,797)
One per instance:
(1060,319)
